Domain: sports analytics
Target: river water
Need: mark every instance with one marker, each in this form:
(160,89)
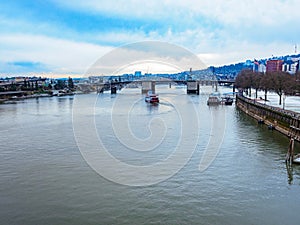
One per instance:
(44,178)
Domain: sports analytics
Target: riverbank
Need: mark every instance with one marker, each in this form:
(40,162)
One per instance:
(286,122)
(12,96)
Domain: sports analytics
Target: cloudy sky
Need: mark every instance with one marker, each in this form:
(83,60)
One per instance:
(68,36)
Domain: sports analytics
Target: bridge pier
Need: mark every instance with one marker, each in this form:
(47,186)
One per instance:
(216,86)
(113,89)
(192,87)
(148,86)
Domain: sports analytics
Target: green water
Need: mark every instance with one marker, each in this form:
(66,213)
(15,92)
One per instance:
(45,180)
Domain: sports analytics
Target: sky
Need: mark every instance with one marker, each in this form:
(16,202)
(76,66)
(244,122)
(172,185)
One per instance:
(68,37)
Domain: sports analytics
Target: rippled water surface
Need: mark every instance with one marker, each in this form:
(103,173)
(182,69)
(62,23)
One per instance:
(45,180)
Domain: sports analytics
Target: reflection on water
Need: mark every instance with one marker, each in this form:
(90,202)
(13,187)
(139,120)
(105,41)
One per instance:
(289,169)
(44,179)
(152,108)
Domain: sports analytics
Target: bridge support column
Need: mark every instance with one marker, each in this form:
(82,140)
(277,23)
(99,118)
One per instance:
(192,87)
(113,89)
(148,86)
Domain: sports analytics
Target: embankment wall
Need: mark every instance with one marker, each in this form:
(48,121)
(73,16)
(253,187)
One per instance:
(285,121)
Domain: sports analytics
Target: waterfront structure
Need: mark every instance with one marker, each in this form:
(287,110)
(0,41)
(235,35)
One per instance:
(285,121)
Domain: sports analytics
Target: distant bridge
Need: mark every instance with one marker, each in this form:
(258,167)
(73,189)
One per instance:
(147,84)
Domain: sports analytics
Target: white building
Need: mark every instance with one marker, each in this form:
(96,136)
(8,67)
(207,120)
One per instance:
(290,67)
(262,68)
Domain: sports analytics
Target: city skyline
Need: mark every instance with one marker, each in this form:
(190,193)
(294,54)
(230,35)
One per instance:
(68,37)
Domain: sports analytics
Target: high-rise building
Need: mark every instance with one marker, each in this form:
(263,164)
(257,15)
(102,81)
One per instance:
(274,65)
(137,73)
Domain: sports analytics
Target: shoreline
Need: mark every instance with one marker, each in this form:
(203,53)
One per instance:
(15,98)
(286,122)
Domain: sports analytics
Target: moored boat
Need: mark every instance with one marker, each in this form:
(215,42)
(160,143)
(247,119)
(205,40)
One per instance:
(296,159)
(214,99)
(227,100)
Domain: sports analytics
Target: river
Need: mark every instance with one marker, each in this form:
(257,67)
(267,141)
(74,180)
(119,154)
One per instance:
(45,178)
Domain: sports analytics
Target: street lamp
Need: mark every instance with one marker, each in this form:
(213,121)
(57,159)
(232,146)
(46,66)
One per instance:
(283,101)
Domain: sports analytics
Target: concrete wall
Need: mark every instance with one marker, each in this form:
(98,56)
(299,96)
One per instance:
(285,121)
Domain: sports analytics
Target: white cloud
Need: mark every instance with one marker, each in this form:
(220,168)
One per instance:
(120,37)
(207,26)
(236,12)
(148,56)
(61,55)
(64,56)
(236,52)
(234,31)
(231,12)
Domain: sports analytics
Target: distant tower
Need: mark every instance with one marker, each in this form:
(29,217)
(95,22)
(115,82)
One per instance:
(295,48)
(191,72)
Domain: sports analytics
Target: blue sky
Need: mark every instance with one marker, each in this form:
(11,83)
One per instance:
(53,36)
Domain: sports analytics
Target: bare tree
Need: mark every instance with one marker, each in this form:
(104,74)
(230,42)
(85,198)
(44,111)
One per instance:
(245,81)
(265,85)
(256,82)
(240,82)
(281,83)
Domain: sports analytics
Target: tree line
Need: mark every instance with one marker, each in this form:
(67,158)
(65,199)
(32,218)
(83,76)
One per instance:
(279,82)
(34,85)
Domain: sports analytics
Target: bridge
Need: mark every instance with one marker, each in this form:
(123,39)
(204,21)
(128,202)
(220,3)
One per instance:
(146,85)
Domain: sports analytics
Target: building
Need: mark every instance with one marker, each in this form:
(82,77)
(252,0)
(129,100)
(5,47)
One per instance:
(274,65)
(262,68)
(291,65)
(248,62)
(259,66)
(255,66)
(137,73)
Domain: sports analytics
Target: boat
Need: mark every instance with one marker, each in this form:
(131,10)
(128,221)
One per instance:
(151,97)
(296,159)
(214,99)
(227,100)
(64,92)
